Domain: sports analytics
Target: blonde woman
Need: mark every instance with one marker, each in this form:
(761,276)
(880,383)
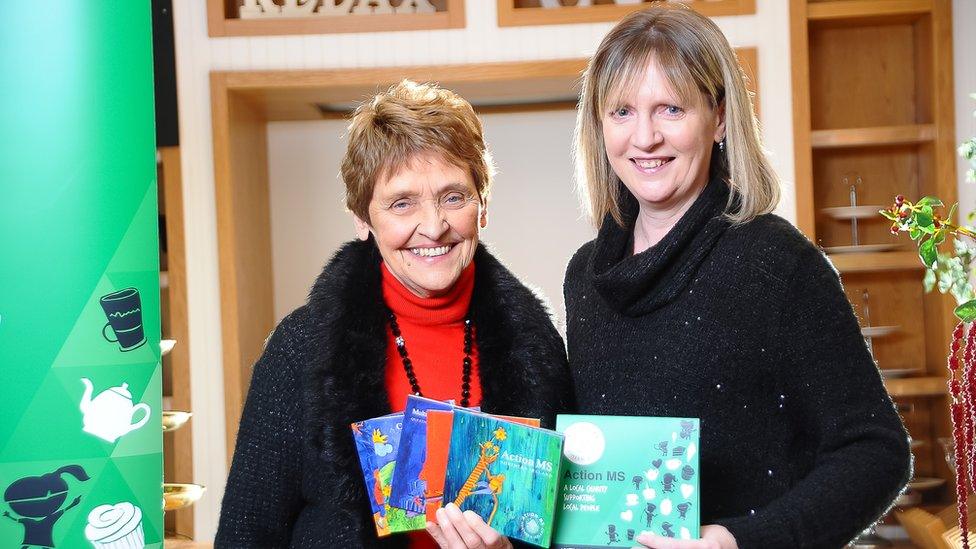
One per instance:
(417,305)
(695,301)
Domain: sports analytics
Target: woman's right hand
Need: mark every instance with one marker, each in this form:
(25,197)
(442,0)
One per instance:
(467,530)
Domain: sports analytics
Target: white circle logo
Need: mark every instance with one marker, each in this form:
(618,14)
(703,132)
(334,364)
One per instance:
(584,443)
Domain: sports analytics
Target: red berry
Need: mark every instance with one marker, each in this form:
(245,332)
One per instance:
(900,199)
(894,229)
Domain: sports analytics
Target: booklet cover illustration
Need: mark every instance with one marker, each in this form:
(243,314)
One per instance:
(439,425)
(624,476)
(408,489)
(506,472)
(377,441)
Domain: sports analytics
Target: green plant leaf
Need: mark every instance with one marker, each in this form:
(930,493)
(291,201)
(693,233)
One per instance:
(914,233)
(927,252)
(967,311)
(929,201)
(890,216)
(939,237)
(923,218)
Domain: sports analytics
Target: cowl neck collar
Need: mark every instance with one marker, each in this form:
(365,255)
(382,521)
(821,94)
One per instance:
(635,285)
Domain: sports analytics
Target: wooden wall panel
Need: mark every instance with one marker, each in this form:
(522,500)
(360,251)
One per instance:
(244,237)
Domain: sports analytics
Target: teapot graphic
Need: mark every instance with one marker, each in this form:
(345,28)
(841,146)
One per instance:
(109,415)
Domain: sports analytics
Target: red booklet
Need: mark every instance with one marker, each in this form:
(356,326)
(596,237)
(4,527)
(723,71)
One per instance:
(439,424)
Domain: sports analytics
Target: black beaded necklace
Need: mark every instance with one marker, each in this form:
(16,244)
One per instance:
(408,366)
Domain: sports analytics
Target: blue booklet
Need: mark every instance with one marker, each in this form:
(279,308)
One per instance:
(409,490)
(377,441)
(505,471)
(627,475)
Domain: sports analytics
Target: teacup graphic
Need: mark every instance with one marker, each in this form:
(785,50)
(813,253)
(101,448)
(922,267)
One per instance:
(109,415)
(124,312)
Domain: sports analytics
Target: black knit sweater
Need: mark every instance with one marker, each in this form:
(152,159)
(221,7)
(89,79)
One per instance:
(747,328)
(296,480)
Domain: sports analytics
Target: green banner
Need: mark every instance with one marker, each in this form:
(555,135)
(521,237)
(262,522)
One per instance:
(80,423)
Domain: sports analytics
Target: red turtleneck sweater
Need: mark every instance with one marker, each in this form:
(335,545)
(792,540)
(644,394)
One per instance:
(433,331)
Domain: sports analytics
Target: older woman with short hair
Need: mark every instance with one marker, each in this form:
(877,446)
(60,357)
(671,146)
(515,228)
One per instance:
(417,305)
(695,301)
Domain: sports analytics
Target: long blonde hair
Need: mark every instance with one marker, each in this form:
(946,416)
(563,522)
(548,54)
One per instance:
(700,65)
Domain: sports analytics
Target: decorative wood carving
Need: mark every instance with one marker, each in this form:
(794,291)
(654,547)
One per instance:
(554,12)
(255,9)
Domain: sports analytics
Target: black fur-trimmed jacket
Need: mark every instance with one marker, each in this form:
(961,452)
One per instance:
(295,480)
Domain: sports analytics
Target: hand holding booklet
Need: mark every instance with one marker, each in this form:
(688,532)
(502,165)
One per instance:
(627,475)
(614,478)
(435,455)
(506,472)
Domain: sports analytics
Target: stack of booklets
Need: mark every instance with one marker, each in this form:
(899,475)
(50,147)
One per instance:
(505,469)
(624,476)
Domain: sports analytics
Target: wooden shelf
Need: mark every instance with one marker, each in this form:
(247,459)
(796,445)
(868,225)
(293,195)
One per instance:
(873,115)
(511,16)
(171,543)
(178,444)
(867,9)
(916,386)
(867,137)
(876,261)
(222,23)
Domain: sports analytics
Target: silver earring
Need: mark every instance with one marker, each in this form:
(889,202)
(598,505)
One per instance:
(721,145)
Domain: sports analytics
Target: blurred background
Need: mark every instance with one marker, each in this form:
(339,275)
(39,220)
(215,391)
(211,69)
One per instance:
(859,101)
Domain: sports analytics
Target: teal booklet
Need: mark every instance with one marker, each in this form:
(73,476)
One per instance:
(626,475)
(506,472)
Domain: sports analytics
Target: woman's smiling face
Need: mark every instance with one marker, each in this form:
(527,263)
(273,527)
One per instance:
(658,145)
(426,220)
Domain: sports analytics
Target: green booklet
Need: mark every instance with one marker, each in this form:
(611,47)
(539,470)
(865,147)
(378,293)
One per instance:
(505,471)
(626,475)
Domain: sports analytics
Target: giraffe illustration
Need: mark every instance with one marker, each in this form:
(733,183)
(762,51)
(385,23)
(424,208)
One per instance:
(488,454)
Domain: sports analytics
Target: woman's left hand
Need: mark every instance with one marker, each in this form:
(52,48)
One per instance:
(457,530)
(713,536)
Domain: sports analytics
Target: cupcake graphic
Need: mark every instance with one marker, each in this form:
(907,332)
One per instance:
(116,526)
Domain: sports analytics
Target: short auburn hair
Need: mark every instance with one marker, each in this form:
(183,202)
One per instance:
(393,128)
